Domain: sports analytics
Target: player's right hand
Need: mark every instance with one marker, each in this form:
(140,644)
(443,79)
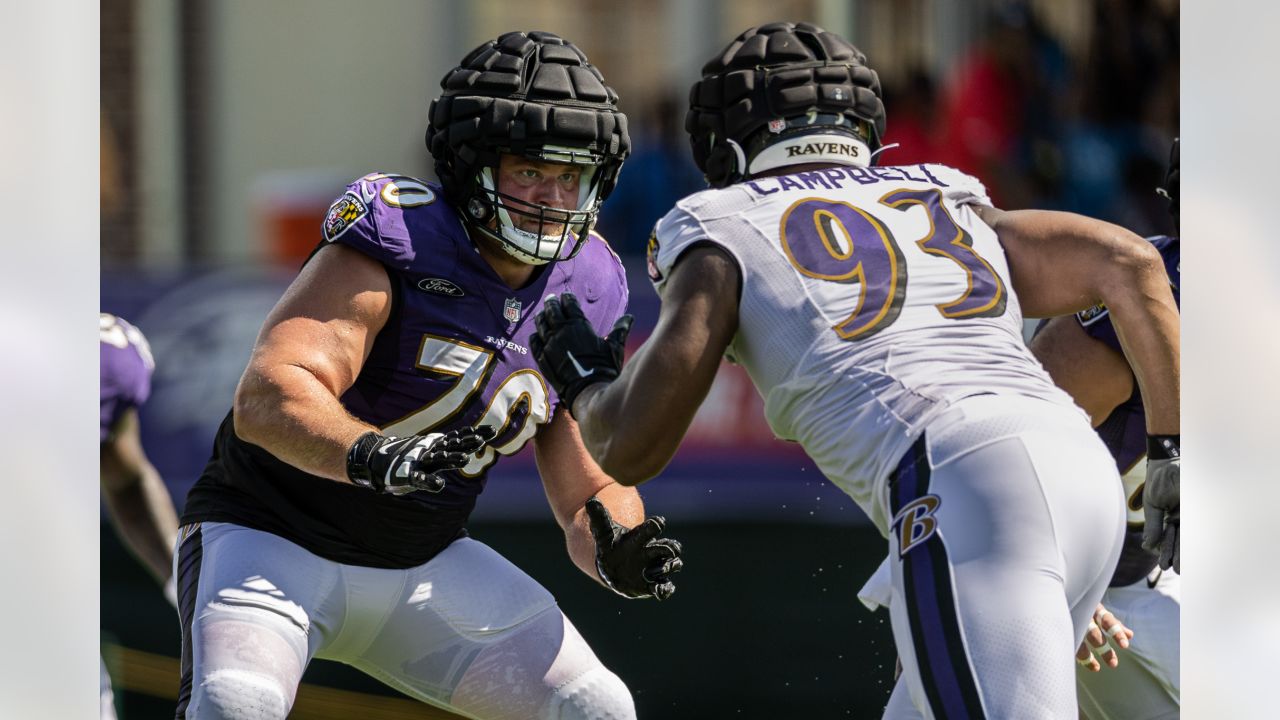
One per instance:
(401,465)
(1105,634)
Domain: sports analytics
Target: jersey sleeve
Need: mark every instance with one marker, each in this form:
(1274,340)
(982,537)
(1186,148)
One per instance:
(1096,321)
(960,187)
(675,233)
(370,217)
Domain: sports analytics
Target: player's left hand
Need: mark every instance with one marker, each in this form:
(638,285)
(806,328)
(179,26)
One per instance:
(569,352)
(1105,634)
(1161,500)
(634,563)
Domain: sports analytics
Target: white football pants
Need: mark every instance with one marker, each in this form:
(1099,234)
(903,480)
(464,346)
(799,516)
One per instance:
(1008,522)
(467,631)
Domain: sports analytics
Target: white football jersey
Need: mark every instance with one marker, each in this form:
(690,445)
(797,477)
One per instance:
(872,298)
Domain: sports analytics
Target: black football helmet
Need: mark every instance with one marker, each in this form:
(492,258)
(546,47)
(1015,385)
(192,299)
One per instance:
(532,95)
(778,83)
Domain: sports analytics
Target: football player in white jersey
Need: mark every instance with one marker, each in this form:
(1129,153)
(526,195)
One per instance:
(878,310)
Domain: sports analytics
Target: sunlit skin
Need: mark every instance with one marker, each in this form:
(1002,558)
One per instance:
(551,184)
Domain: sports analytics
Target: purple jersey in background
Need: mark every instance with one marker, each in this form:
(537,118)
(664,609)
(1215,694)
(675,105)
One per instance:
(125,370)
(1125,429)
(454,353)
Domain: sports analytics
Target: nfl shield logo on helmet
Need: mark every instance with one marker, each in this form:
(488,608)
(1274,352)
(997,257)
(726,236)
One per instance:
(511,310)
(777,125)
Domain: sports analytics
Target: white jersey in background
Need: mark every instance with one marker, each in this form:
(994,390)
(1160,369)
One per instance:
(872,299)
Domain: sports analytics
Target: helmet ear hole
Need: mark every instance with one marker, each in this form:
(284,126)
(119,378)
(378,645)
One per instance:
(479,210)
(725,163)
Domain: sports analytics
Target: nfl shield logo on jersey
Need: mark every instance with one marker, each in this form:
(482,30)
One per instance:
(511,310)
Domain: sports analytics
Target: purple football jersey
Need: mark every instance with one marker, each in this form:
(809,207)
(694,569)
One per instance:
(454,353)
(125,370)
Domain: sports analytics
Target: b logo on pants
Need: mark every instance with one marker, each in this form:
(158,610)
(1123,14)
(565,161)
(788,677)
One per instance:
(915,523)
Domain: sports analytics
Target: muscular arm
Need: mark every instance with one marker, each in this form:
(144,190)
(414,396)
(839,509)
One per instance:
(1062,263)
(136,497)
(633,425)
(1095,376)
(570,477)
(309,352)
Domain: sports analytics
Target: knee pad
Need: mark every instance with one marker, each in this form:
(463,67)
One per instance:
(239,695)
(597,694)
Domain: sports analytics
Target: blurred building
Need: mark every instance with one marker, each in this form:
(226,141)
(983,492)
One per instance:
(229,124)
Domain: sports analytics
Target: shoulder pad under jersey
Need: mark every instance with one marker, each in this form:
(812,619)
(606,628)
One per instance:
(959,187)
(598,276)
(685,225)
(395,219)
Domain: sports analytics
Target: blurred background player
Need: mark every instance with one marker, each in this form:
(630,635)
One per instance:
(875,311)
(1083,355)
(133,491)
(331,520)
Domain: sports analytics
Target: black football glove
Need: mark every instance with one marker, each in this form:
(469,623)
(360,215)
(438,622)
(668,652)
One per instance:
(1161,501)
(401,465)
(570,353)
(634,563)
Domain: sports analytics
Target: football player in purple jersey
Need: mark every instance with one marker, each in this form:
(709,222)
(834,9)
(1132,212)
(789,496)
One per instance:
(395,371)
(878,310)
(1082,353)
(135,495)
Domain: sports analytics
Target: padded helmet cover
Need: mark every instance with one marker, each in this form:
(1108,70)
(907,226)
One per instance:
(530,94)
(777,72)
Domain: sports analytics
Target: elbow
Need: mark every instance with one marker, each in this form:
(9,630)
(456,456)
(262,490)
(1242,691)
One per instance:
(247,409)
(629,466)
(1135,259)
(1134,266)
